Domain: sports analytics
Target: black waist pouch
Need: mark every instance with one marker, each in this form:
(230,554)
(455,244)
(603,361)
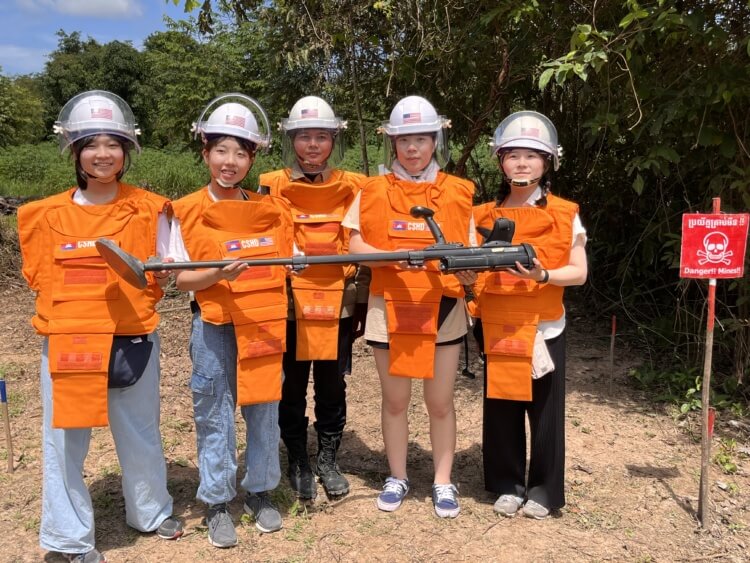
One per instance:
(128,360)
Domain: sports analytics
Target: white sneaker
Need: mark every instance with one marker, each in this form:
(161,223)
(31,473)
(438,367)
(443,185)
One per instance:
(507,505)
(535,510)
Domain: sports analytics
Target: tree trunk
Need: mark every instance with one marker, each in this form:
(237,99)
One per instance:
(481,120)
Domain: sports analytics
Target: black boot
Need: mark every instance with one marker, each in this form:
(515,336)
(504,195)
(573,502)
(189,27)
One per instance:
(300,473)
(334,483)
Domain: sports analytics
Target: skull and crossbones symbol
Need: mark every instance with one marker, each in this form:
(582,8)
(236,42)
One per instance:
(715,249)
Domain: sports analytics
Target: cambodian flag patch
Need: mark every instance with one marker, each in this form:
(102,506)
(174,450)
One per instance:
(231,245)
(68,246)
(399,225)
(266,241)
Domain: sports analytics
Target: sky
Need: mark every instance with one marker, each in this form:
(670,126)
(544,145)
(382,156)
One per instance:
(28,27)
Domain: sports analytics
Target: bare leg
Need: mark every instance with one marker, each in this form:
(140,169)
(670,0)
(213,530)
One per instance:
(438,396)
(396,393)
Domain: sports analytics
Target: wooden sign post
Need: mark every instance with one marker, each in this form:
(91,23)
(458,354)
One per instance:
(713,246)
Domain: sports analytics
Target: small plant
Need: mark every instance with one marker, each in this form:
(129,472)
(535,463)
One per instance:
(724,458)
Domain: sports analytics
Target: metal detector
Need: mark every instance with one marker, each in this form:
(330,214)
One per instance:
(453,257)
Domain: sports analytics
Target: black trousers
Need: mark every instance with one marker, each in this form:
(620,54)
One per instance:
(329,385)
(504,438)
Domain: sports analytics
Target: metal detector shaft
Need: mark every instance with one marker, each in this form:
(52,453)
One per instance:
(451,258)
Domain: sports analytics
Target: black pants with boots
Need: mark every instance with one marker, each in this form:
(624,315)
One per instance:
(329,385)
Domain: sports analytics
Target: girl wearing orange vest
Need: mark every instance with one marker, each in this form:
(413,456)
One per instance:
(416,317)
(100,357)
(323,298)
(239,315)
(522,328)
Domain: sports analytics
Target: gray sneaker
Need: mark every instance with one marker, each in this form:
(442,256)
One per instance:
(220,526)
(535,510)
(92,556)
(170,529)
(260,507)
(507,505)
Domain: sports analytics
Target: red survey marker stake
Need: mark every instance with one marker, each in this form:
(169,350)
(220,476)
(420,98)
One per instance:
(713,246)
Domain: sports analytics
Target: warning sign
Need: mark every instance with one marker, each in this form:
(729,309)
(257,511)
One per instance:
(713,245)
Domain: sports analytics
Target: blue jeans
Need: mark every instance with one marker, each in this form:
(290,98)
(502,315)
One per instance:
(213,349)
(67,514)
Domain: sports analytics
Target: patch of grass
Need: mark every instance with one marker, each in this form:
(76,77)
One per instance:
(30,522)
(170,443)
(295,531)
(178,425)
(113,469)
(104,500)
(16,401)
(725,457)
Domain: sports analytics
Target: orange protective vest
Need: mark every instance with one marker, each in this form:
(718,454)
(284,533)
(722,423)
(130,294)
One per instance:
(412,298)
(510,307)
(255,303)
(317,212)
(80,302)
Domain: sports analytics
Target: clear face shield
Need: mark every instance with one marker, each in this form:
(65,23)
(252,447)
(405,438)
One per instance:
(96,112)
(246,120)
(441,153)
(289,153)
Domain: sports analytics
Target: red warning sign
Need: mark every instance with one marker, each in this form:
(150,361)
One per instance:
(713,245)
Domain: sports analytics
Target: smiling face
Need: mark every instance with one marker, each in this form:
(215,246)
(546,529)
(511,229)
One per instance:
(102,158)
(313,147)
(228,161)
(414,152)
(523,165)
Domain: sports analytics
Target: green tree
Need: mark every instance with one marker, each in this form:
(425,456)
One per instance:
(21,112)
(77,66)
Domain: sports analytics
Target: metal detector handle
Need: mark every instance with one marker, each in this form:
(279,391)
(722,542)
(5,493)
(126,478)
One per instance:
(419,212)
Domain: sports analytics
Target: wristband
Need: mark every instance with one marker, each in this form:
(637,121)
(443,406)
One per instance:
(545,277)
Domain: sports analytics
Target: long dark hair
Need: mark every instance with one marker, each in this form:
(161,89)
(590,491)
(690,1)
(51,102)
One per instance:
(545,182)
(75,150)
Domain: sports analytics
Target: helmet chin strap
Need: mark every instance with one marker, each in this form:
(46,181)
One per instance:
(313,166)
(224,185)
(524,183)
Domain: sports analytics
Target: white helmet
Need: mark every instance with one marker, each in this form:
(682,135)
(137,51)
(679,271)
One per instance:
(311,112)
(527,130)
(95,113)
(235,115)
(413,115)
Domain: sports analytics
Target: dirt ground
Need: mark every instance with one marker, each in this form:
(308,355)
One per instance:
(632,473)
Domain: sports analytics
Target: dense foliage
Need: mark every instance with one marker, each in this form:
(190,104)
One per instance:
(651,102)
